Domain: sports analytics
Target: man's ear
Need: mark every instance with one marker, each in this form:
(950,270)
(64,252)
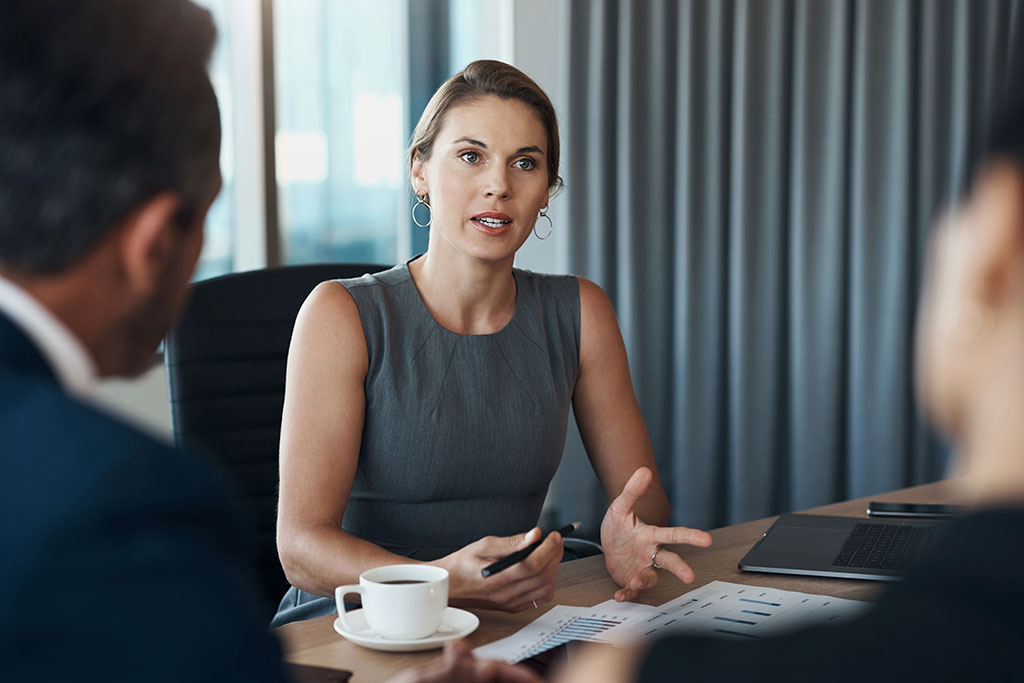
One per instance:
(146,241)
(996,213)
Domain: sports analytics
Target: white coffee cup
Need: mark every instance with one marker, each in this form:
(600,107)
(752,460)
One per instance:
(401,601)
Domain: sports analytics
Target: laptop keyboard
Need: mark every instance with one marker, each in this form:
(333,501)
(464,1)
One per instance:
(884,546)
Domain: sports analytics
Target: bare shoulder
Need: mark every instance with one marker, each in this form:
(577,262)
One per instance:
(596,311)
(601,345)
(329,320)
(328,306)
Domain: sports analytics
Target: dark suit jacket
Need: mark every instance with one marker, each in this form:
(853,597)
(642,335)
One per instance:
(121,559)
(959,616)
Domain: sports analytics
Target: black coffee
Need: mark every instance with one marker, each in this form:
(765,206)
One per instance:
(399,581)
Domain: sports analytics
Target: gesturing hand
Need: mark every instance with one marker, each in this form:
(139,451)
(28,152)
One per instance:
(629,544)
(521,586)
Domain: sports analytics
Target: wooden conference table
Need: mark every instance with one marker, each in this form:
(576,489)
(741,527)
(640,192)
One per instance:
(585,583)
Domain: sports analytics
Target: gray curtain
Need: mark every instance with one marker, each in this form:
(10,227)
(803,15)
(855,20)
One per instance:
(753,183)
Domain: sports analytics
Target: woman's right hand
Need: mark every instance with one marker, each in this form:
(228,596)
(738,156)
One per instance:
(523,585)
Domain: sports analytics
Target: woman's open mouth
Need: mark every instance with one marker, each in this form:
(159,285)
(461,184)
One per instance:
(492,223)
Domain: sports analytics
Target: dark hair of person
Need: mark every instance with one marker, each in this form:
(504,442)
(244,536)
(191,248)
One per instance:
(1006,134)
(480,78)
(103,105)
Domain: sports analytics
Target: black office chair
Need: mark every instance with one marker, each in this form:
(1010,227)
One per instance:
(225,370)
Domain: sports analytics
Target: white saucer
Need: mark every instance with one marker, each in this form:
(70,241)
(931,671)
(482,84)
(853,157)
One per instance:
(455,623)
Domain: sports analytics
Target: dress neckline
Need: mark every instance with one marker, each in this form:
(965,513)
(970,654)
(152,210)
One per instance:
(426,311)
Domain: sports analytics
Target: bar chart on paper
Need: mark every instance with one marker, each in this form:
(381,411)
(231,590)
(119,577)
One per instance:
(730,610)
(719,609)
(559,625)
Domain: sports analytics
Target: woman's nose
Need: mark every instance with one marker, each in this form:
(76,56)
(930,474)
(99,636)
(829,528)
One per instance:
(497,184)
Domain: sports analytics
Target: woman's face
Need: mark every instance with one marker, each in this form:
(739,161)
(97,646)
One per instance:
(487,178)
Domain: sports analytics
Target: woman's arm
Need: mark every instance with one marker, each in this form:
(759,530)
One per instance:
(619,448)
(607,413)
(321,431)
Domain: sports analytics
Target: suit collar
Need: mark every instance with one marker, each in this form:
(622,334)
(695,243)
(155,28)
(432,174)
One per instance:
(64,354)
(17,353)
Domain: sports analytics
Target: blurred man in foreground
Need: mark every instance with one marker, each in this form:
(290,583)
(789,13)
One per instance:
(122,558)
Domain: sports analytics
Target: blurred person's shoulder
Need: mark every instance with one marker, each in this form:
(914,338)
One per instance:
(45,430)
(106,523)
(66,463)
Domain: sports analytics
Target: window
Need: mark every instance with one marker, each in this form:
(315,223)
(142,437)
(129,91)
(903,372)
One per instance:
(216,258)
(342,115)
(339,83)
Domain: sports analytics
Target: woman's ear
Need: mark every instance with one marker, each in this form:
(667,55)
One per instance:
(418,176)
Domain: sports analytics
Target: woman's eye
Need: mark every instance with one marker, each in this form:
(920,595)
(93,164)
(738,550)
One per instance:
(525,164)
(470,157)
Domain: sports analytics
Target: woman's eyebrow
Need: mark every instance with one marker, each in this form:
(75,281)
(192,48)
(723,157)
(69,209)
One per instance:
(470,141)
(522,150)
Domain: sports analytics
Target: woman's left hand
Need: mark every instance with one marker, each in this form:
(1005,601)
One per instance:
(630,545)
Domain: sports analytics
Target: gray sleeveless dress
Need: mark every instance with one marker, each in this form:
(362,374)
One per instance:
(463,433)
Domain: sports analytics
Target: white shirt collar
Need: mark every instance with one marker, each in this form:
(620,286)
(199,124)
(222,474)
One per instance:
(71,363)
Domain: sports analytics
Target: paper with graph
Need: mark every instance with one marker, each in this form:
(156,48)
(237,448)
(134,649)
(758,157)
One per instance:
(558,625)
(732,610)
(719,609)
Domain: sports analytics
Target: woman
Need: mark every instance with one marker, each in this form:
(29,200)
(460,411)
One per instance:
(426,406)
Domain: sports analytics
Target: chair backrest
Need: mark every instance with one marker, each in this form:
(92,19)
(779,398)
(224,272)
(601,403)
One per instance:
(226,368)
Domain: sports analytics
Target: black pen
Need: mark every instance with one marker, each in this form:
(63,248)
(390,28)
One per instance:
(519,555)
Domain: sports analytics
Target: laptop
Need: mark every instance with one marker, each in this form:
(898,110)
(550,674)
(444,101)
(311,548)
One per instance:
(840,547)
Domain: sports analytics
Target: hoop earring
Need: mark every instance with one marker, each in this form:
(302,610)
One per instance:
(421,200)
(551,226)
